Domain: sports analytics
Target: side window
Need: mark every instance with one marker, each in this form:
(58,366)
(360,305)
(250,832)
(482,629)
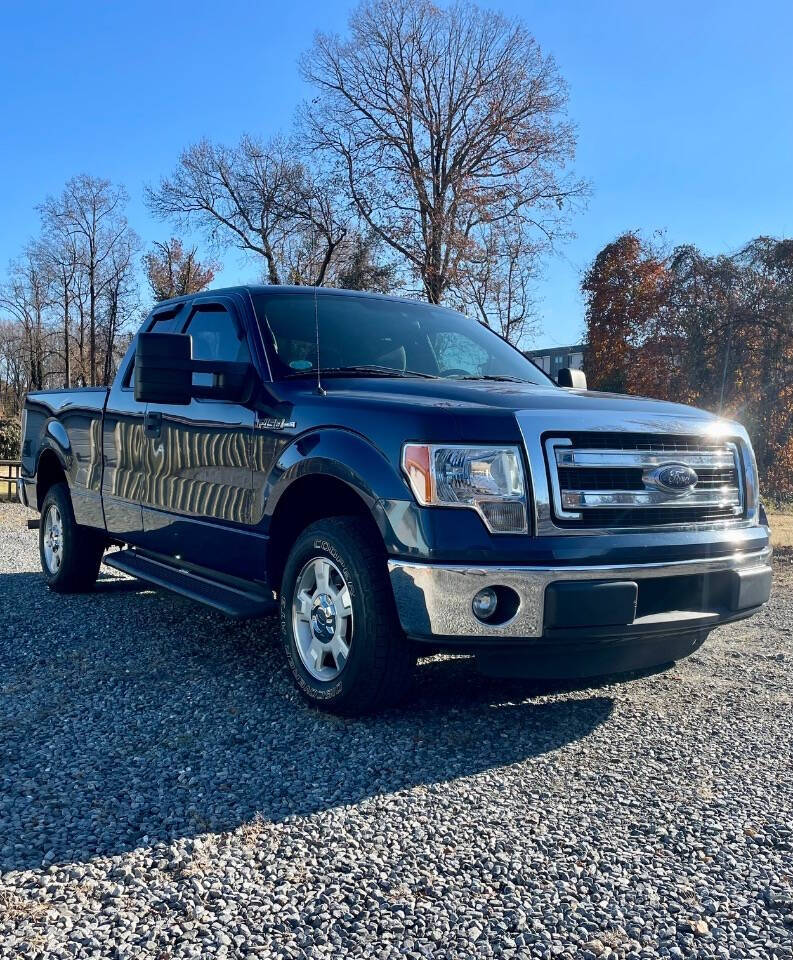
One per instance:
(455,351)
(215,337)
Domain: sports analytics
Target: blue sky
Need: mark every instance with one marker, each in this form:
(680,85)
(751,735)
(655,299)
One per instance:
(684,110)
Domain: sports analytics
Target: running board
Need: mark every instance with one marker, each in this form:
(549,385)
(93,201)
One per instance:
(234,602)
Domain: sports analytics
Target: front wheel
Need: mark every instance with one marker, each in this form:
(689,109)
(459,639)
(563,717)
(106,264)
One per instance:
(339,623)
(70,554)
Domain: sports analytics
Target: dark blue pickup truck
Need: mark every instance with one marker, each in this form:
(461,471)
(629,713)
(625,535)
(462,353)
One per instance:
(396,478)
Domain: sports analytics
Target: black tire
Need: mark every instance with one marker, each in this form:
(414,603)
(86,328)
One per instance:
(379,668)
(80,548)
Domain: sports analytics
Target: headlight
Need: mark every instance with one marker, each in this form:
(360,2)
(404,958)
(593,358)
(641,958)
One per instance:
(487,479)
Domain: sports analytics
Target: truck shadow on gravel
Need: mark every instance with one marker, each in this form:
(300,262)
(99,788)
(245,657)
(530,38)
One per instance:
(130,716)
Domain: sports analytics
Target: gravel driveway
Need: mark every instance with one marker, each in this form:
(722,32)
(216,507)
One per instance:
(164,793)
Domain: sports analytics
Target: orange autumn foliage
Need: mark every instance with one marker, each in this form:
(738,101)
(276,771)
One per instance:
(716,332)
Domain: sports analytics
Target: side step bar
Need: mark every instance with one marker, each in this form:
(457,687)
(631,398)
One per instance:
(231,600)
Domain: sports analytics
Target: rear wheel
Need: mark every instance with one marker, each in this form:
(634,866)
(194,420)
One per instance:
(70,554)
(339,623)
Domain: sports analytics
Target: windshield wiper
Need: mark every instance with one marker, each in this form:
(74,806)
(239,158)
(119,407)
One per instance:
(364,369)
(493,376)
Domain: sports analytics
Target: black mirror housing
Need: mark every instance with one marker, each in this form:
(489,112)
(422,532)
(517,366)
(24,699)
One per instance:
(574,379)
(164,368)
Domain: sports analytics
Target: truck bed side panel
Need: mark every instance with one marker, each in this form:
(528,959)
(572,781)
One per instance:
(69,424)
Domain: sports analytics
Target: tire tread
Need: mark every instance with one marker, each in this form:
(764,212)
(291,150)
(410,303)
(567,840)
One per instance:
(394,657)
(83,547)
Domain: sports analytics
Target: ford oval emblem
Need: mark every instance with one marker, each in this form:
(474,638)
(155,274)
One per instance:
(676,478)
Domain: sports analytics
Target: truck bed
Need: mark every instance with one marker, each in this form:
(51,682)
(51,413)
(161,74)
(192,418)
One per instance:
(54,401)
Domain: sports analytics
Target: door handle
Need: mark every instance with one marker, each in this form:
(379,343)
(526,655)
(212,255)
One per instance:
(152,423)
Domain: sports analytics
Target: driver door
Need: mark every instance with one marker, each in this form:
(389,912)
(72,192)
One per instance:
(197,489)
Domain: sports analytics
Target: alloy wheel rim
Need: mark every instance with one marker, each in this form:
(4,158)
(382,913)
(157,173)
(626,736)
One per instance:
(322,619)
(53,539)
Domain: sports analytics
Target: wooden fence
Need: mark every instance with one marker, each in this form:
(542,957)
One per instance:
(9,479)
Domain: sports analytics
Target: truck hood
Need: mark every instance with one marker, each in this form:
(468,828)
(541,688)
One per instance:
(479,397)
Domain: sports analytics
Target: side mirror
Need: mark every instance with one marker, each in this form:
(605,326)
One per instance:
(164,368)
(575,379)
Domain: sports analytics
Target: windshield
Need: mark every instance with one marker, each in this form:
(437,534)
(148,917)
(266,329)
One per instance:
(375,337)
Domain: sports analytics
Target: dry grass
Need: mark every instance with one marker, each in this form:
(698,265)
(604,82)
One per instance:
(781,528)
(15,908)
(250,832)
(198,865)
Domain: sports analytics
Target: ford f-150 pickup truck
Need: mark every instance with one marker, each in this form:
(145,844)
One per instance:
(396,478)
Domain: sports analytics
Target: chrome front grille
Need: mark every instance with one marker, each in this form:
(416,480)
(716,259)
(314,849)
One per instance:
(614,480)
(610,445)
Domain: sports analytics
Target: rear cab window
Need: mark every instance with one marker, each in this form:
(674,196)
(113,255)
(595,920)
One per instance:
(161,322)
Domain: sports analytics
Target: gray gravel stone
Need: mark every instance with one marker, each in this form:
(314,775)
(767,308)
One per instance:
(165,794)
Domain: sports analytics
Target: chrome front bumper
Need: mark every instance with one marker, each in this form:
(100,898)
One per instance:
(435,601)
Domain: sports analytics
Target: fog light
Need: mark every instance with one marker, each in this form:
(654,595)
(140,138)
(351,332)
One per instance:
(484,603)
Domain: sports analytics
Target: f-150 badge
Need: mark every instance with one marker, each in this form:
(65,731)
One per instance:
(274,423)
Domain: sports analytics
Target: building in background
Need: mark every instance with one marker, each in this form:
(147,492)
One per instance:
(552,359)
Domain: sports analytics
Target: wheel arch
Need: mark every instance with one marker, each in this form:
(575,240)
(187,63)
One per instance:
(50,470)
(324,474)
(310,497)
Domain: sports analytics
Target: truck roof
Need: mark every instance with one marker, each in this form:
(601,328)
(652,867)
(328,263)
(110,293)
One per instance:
(289,288)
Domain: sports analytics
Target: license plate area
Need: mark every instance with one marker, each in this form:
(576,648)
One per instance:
(590,603)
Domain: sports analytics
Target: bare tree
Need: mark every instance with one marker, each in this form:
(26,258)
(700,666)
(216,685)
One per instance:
(23,300)
(312,246)
(257,198)
(497,282)
(440,121)
(59,255)
(120,302)
(69,297)
(81,301)
(173,272)
(13,377)
(359,264)
(90,212)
